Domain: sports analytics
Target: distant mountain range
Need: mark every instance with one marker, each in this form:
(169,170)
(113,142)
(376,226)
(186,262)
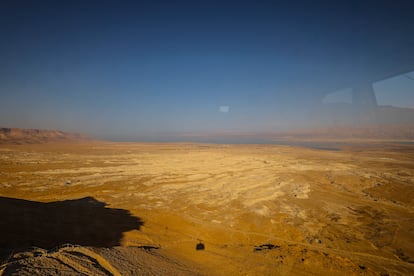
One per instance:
(403,132)
(37,136)
(334,133)
(385,132)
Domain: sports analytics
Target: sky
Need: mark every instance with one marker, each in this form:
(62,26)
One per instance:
(149,70)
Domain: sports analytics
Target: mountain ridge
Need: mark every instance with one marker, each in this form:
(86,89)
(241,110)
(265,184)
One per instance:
(38,136)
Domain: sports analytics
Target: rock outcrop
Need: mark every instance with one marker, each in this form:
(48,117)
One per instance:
(37,136)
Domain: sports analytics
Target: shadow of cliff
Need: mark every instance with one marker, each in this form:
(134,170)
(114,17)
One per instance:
(84,221)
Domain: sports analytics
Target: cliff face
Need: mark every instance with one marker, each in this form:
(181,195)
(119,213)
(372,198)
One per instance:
(37,136)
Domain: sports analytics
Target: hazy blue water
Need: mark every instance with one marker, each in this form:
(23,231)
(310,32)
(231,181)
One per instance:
(406,143)
(334,146)
(317,145)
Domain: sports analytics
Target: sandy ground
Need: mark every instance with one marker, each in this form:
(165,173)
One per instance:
(257,209)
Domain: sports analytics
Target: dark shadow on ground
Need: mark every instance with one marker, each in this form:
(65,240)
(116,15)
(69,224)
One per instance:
(84,221)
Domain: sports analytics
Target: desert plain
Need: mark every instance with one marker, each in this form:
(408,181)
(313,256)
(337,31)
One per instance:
(103,208)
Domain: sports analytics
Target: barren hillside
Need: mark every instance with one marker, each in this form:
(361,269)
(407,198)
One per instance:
(37,136)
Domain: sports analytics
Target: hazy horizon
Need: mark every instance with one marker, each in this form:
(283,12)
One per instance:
(125,69)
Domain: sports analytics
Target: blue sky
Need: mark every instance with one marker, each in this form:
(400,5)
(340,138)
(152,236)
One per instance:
(130,69)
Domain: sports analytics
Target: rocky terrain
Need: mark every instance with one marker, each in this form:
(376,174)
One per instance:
(100,208)
(37,136)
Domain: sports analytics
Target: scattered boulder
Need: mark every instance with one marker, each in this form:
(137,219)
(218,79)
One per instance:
(148,247)
(266,246)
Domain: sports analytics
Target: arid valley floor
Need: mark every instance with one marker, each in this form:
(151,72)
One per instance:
(142,208)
